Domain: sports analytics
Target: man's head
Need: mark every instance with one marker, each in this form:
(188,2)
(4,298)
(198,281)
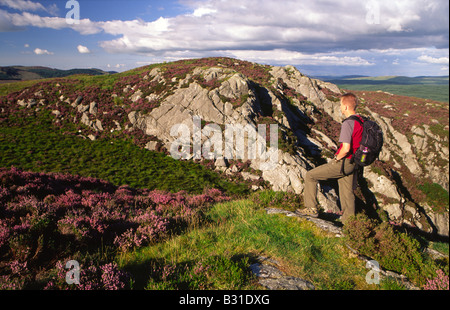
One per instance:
(349,102)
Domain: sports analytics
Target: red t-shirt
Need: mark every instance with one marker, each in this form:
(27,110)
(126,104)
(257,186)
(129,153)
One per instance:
(351,133)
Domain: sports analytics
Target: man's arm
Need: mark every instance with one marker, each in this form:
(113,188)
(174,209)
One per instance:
(345,149)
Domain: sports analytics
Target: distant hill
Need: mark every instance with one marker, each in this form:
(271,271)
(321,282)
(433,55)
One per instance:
(377,80)
(427,87)
(23,73)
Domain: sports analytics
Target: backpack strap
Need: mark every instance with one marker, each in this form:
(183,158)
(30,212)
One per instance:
(356,118)
(357,173)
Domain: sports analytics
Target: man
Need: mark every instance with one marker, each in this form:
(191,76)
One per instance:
(349,139)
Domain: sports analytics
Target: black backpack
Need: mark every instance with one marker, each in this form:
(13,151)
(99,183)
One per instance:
(370,146)
(371,142)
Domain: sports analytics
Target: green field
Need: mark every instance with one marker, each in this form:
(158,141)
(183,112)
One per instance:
(432,92)
(427,87)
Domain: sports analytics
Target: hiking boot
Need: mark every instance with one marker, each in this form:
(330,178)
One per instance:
(307,212)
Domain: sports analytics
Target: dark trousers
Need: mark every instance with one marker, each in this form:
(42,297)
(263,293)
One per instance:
(331,170)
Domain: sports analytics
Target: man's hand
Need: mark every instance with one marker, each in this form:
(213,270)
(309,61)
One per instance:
(345,149)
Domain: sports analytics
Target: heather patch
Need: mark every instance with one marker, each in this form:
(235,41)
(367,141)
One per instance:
(47,218)
(405,112)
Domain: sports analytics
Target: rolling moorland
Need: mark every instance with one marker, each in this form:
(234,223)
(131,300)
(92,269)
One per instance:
(86,175)
(24,73)
(433,88)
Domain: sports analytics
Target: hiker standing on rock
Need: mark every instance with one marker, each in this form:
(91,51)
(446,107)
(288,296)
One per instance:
(340,167)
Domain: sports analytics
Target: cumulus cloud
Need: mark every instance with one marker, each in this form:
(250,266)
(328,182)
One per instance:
(83,49)
(118,66)
(433,60)
(26,5)
(23,5)
(39,51)
(85,27)
(284,57)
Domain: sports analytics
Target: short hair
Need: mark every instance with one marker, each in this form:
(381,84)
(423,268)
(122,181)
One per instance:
(350,100)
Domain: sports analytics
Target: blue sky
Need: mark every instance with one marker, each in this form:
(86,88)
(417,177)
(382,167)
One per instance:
(320,37)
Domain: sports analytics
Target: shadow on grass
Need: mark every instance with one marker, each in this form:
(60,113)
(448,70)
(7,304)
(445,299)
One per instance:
(209,272)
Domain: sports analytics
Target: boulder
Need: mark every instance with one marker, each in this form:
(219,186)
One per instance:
(93,108)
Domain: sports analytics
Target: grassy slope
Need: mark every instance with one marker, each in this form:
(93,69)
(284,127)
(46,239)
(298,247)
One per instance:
(242,230)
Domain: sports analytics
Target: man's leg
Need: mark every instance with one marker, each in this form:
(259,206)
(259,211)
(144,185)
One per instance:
(331,170)
(346,195)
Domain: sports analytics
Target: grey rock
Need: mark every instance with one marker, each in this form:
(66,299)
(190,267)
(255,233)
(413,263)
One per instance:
(323,224)
(136,96)
(56,113)
(272,278)
(93,108)
(151,145)
(134,116)
(98,125)
(287,283)
(221,162)
(31,103)
(22,103)
(83,108)
(85,120)
(77,101)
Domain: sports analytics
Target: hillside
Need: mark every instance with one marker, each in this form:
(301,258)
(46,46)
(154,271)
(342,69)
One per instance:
(24,73)
(120,128)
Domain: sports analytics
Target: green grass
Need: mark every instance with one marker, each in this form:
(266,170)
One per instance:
(233,235)
(119,161)
(437,196)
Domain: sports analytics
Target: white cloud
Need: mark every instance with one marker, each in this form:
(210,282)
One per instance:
(39,51)
(26,5)
(118,66)
(83,49)
(16,21)
(284,57)
(203,11)
(433,60)
(22,5)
